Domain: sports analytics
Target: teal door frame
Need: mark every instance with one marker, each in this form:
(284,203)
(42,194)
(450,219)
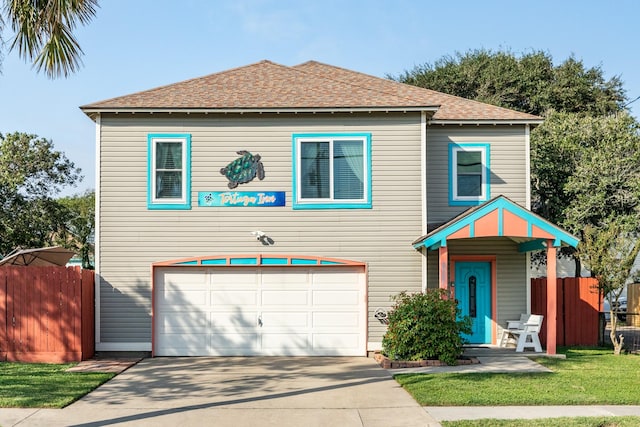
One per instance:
(473,290)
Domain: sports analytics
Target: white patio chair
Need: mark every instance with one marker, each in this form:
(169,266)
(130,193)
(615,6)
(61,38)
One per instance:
(512,325)
(528,334)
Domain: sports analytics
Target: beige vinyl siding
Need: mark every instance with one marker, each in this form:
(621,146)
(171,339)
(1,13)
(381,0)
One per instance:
(507,161)
(133,237)
(511,271)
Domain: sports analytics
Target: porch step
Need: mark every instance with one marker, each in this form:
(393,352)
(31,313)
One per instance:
(494,351)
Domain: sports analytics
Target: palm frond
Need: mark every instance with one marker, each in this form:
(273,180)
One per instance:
(44,32)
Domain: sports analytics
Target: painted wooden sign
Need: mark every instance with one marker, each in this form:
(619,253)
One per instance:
(241,198)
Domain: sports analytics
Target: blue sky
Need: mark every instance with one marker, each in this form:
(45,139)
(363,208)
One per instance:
(136,45)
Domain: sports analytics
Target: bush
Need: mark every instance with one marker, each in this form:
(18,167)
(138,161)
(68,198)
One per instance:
(425,326)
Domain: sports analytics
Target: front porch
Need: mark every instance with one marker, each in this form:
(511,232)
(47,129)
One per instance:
(489,359)
(476,234)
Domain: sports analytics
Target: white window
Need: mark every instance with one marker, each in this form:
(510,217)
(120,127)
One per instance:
(468,174)
(169,175)
(332,171)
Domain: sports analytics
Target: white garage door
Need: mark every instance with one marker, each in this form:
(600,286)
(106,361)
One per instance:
(238,311)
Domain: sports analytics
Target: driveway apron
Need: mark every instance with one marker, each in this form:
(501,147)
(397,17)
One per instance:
(244,391)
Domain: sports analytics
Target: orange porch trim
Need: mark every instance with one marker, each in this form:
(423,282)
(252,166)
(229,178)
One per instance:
(552,306)
(443,276)
(463,233)
(513,225)
(540,233)
(488,225)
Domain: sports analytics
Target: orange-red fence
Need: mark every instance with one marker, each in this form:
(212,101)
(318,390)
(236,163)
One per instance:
(578,307)
(46,314)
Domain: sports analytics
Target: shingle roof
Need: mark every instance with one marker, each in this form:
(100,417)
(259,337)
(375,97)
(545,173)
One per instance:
(269,86)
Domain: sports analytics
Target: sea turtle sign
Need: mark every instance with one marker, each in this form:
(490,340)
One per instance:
(243,169)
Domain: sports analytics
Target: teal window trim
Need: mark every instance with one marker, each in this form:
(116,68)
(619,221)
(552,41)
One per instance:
(484,149)
(243,261)
(274,261)
(298,204)
(184,203)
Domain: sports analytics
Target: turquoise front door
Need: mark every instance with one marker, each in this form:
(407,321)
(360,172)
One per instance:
(473,292)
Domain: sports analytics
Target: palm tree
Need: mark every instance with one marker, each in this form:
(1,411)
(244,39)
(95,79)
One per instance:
(44,32)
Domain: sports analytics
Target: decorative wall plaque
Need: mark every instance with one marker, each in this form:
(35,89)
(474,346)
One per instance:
(243,169)
(241,198)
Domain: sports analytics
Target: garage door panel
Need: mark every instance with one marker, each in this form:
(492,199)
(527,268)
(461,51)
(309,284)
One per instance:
(233,321)
(336,319)
(281,277)
(184,279)
(336,279)
(335,341)
(279,319)
(191,344)
(233,280)
(292,342)
(221,342)
(171,298)
(182,321)
(230,298)
(336,298)
(287,297)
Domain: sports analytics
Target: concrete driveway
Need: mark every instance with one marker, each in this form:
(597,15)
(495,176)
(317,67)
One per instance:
(240,391)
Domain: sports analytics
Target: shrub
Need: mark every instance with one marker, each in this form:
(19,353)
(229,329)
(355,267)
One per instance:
(425,326)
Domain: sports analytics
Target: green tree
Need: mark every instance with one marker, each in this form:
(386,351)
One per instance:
(609,251)
(32,172)
(44,32)
(605,208)
(605,182)
(584,169)
(554,149)
(78,226)
(530,83)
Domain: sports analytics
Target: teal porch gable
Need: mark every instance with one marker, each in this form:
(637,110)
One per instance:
(499,217)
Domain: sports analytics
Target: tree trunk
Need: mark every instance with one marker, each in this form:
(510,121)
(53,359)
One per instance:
(616,340)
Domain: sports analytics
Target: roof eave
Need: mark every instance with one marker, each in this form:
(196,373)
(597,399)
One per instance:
(124,110)
(477,122)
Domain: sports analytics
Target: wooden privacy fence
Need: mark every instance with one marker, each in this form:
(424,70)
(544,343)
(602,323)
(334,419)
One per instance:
(46,314)
(633,305)
(578,309)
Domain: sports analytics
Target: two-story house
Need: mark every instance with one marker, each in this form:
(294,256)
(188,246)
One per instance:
(275,210)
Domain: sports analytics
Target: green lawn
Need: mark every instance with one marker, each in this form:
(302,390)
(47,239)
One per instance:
(585,377)
(39,385)
(550,422)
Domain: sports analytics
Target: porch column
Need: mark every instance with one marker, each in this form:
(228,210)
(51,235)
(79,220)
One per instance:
(443,271)
(552,293)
